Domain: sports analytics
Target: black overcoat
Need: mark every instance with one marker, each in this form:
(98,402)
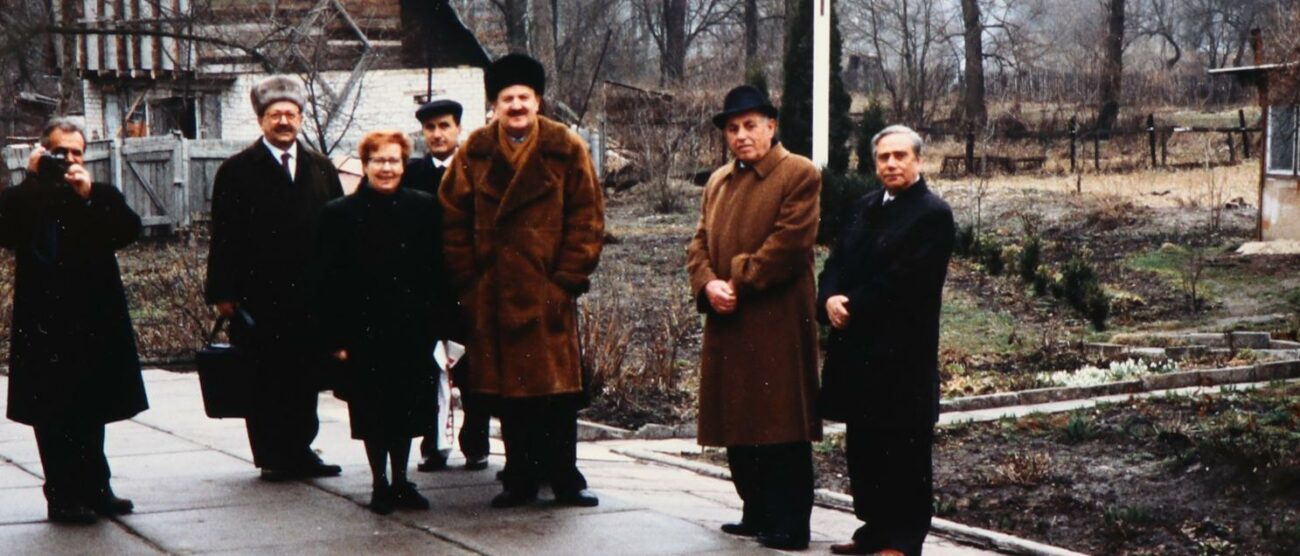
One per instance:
(891,262)
(263,250)
(72,356)
(384,298)
(423,175)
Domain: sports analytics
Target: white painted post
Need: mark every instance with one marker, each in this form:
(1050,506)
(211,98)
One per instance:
(821,82)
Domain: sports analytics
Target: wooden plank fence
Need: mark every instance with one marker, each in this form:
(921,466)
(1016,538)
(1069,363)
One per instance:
(167,180)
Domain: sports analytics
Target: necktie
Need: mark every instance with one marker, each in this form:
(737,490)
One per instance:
(284,161)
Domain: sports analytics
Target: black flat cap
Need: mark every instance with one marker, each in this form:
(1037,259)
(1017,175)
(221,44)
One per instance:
(514,69)
(744,98)
(438,108)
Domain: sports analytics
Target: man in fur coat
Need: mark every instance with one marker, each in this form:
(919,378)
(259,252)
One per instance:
(523,229)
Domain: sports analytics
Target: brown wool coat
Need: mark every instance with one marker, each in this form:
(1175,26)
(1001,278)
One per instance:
(520,247)
(758,378)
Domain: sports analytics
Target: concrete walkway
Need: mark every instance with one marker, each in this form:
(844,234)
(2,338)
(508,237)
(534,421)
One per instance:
(197,492)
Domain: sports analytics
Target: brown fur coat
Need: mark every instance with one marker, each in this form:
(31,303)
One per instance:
(520,246)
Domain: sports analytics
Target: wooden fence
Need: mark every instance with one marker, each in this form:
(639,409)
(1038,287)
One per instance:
(167,180)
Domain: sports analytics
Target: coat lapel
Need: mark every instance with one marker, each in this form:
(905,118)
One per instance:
(514,189)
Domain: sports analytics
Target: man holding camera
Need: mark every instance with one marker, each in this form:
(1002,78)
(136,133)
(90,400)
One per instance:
(73,364)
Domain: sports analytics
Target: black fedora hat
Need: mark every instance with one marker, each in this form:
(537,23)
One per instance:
(744,98)
(438,108)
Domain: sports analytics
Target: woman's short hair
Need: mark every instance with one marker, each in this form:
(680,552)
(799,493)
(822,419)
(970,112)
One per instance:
(376,139)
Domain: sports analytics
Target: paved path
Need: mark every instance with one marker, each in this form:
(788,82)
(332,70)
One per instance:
(196,491)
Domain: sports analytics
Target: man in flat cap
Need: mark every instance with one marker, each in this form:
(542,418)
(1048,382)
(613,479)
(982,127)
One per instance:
(751,271)
(440,123)
(266,202)
(523,230)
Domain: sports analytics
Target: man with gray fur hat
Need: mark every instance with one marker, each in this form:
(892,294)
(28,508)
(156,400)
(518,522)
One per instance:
(266,202)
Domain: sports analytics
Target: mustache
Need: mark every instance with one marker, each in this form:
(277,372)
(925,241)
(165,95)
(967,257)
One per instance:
(284,129)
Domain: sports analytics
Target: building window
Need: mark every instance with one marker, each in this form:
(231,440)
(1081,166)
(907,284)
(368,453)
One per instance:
(1282,139)
(173,114)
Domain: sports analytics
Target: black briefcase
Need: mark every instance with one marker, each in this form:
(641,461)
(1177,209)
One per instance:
(225,376)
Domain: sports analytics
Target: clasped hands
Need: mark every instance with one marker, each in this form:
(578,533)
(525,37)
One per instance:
(838,310)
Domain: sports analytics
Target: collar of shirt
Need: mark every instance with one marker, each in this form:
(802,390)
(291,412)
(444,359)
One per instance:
(441,162)
(277,152)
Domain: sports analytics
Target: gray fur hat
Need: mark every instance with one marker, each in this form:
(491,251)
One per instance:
(277,88)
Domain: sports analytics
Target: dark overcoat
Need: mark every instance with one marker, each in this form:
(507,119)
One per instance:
(520,247)
(423,175)
(891,262)
(758,367)
(263,250)
(384,299)
(72,355)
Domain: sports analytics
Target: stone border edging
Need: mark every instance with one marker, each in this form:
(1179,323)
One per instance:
(964,534)
(1262,372)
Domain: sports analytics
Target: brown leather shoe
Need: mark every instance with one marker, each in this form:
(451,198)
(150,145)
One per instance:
(851,547)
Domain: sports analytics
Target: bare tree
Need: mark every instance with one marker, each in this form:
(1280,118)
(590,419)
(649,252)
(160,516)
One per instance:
(904,38)
(973,107)
(752,63)
(1112,66)
(514,14)
(675,24)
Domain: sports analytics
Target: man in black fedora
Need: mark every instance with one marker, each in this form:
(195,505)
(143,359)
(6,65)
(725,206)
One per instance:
(751,271)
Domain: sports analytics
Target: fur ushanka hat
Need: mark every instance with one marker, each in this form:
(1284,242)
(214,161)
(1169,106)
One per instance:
(276,88)
(514,69)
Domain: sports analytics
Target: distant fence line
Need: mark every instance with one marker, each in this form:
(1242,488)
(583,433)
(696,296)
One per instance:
(1236,139)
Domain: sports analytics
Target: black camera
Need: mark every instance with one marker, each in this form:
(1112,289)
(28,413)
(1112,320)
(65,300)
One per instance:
(51,168)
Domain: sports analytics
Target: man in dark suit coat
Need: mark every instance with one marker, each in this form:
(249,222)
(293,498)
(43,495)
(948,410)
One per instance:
(881,291)
(440,124)
(266,203)
(73,364)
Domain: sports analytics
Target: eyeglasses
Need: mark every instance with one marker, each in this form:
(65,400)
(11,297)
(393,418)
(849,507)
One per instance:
(277,116)
(381,162)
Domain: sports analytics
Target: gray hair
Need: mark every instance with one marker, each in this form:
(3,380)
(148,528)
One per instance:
(61,123)
(917,141)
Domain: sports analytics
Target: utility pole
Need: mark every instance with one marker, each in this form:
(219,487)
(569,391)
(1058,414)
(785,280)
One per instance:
(821,100)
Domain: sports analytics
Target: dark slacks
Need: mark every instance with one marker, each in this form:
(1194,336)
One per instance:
(283,423)
(473,438)
(72,457)
(775,482)
(891,475)
(541,438)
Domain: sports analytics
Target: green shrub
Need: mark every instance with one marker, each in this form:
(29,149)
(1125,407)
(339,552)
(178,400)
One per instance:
(839,193)
(1080,288)
(1030,259)
(966,241)
(990,255)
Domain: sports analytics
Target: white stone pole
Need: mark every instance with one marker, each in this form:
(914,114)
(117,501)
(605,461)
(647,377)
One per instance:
(821,109)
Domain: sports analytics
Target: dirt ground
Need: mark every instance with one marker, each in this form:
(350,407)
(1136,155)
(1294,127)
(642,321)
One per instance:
(1179,475)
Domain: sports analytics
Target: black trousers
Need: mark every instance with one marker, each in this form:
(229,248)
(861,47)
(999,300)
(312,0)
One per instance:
(72,457)
(541,438)
(891,475)
(284,421)
(474,431)
(775,482)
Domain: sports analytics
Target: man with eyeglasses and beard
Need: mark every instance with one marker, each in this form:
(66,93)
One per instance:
(266,205)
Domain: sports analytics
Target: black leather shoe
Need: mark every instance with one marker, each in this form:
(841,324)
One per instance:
(381,500)
(501,475)
(740,529)
(112,505)
(509,499)
(783,541)
(407,497)
(320,470)
(582,499)
(476,464)
(279,475)
(851,547)
(74,514)
(429,465)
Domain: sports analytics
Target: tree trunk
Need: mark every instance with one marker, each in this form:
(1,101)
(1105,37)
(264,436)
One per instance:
(541,40)
(751,34)
(1112,66)
(974,110)
(673,64)
(515,14)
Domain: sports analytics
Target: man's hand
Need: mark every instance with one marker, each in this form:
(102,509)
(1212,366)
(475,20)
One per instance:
(838,311)
(226,308)
(34,160)
(721,296)
(79,178)
(341,355)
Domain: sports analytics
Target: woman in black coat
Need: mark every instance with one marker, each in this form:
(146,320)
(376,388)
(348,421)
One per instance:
(384,304)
